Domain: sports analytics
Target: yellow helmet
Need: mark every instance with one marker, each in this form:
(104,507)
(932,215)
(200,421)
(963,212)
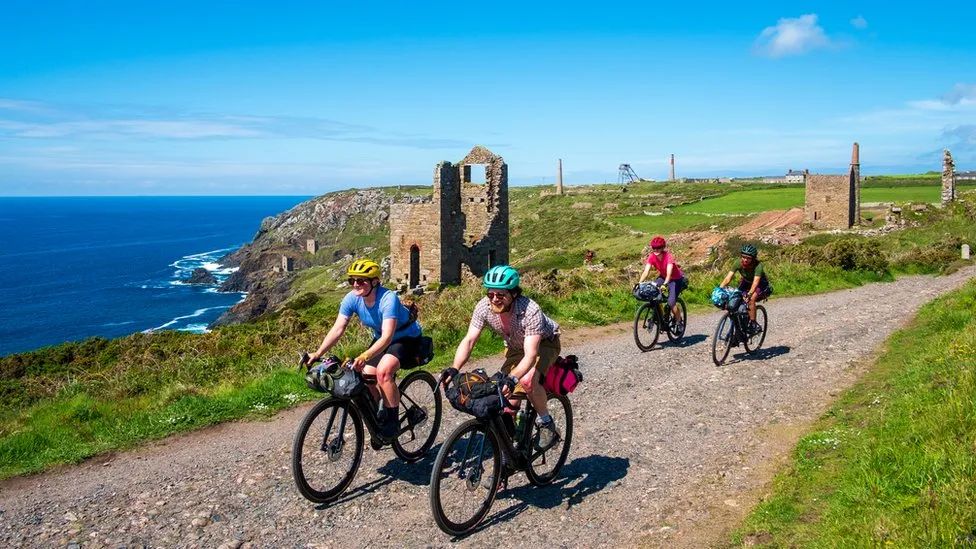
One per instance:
(366,268)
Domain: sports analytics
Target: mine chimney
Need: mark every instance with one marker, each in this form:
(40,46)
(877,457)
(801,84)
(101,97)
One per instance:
(672,167)
(559,178)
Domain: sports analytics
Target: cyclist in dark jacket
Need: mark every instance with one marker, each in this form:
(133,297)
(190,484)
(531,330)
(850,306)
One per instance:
(754,283)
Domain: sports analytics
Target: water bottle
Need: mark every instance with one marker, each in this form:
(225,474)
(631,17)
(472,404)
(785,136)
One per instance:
(519,424)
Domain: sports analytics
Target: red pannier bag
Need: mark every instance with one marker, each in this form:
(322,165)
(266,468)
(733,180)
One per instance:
(563,376)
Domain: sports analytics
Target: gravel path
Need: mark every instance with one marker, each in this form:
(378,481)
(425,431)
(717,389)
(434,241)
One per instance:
(668,450)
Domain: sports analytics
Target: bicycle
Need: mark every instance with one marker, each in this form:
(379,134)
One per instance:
(338,421)
(734,328)
(654,315)
(468,469)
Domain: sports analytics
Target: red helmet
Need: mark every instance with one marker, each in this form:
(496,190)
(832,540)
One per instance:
(658,242)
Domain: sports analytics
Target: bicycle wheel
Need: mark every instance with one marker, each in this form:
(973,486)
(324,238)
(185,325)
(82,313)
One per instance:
(646,330)
(755,340)
(465,477)
(420,416)
(674,333)
(327,450)
(544,464)
(722,340)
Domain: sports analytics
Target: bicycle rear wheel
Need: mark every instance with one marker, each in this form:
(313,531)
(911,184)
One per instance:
(465,477)
(646,330)
(674,333)
(420,416)
(327,450)
(722,340)
(544,464)
(755,340)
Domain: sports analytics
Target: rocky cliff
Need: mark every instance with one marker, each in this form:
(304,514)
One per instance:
(343,223)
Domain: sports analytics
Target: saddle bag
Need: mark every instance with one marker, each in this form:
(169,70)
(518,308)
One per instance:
(563,376)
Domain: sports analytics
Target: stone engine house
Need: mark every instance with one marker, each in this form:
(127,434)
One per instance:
(466,223)
(834,201)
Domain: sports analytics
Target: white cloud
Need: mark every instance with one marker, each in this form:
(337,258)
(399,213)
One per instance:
(792,36)
(859,22)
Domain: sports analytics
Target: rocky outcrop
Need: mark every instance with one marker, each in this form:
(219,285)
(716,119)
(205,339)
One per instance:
(200,276)
(323,219)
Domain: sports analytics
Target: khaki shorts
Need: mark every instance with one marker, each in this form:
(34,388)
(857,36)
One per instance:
(548,353)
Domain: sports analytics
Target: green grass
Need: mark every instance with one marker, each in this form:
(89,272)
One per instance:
(748,202)
(891,463)
(669,223)
(930,193)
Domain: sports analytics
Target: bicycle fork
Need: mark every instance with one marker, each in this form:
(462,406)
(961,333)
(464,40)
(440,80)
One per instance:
(334,448)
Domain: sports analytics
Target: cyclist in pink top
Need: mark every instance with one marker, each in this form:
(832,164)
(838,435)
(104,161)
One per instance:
(669,274)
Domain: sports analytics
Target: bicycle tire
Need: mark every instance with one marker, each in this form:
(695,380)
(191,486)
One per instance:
(401,448)
(754,342)
(447,458)
(303,463)
(722,340)
(565,422)
(645,321)
(684,316)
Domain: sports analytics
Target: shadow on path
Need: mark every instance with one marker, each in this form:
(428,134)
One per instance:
(686,341)
(578,479)
(417,473)
(763,354)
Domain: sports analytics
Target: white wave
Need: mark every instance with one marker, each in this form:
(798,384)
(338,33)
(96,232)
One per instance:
(110,324)
(195,314)
(195,329)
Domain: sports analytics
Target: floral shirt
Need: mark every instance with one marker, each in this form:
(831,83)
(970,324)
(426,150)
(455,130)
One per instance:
(527,319)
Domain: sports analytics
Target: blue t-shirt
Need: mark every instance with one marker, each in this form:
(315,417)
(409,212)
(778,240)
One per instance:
(387,305)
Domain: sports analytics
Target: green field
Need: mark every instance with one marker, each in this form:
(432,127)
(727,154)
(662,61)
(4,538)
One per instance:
(668,223)
(891,463)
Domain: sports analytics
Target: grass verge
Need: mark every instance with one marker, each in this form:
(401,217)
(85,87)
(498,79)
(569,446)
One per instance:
(891,463)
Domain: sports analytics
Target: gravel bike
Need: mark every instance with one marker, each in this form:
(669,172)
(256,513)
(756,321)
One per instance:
(328,447)
(469,466)
(654,316)
(734,328)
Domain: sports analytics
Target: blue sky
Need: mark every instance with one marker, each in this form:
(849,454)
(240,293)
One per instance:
(302,98)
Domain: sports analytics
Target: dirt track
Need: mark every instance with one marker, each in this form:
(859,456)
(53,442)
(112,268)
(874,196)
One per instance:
(668,450)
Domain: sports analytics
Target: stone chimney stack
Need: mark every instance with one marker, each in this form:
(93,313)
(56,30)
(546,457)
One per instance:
(855,175)
(948,178)
(672,167)
(559,178)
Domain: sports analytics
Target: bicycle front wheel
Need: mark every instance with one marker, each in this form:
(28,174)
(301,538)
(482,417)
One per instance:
(545,463)
(676,331)
(755,340)
(420,416)
(722,340)
(646,330)
(327,450)
(465,477)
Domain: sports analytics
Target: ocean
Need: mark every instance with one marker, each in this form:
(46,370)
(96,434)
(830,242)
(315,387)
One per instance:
(72,268)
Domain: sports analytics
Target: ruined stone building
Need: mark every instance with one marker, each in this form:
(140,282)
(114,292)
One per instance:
(834,201)
(466,223)
(948,178)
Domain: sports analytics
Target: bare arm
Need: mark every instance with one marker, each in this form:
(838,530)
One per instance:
(728,279)
(338,328)
(667,274)
(531,354)
(755,284)
(464,349)
(643,276)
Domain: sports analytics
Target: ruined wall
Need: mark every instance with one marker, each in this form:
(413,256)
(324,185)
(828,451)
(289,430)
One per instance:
(948,178)
(466,223)
(828,201)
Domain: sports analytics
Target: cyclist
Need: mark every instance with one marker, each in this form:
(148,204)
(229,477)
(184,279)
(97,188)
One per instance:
(531,342)
(669,274)
(396,338)
(754,283)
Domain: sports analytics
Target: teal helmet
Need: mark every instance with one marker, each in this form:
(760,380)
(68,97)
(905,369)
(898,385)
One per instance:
(750,251)
(501,277)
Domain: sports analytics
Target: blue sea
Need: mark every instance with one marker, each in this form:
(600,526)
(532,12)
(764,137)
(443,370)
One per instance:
(72,268)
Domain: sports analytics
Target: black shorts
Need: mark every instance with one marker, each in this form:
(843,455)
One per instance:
(406,349)
(762,291)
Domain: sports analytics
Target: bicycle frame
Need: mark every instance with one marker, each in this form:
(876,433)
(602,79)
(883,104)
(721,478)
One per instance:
(514,450)
(367,407)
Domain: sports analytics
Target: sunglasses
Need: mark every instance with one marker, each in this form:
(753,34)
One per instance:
(354,281)
(493,295)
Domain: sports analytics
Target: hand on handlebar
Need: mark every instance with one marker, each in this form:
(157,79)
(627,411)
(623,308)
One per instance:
(446,376)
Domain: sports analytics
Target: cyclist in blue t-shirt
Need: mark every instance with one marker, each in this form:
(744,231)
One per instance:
(396,338)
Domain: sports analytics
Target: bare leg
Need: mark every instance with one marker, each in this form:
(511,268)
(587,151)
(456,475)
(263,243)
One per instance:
(534,391)
(385,389)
